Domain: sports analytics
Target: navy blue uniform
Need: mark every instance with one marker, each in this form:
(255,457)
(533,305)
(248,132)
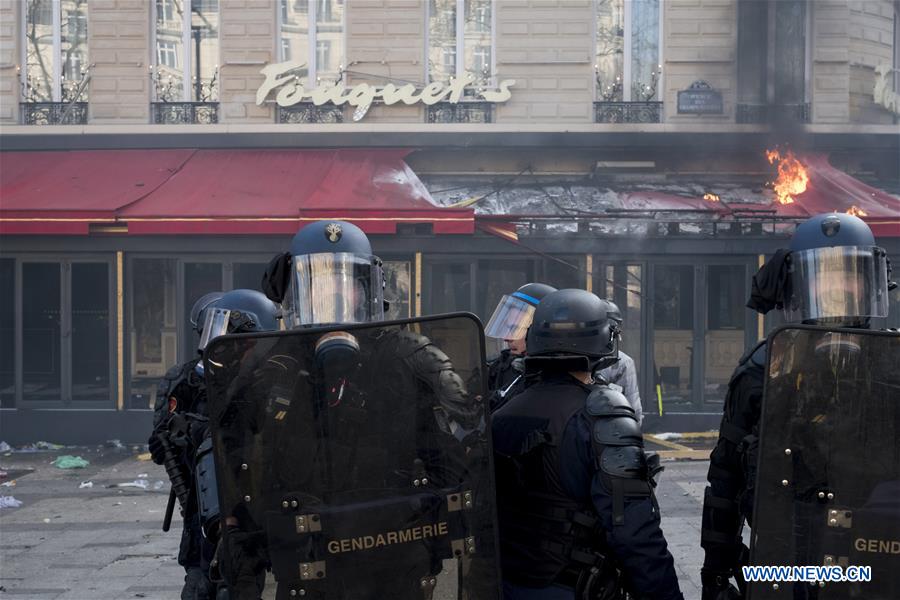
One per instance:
(565,500)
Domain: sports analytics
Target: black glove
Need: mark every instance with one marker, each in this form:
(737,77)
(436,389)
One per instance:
(157,451)
(242,563)
(717,585)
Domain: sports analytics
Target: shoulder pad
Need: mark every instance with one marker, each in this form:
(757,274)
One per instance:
(618,431)
(756,356)
(409,342)
(625,461)
(603,401)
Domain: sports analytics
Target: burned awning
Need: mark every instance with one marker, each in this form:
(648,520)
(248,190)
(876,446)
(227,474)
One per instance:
(215,192)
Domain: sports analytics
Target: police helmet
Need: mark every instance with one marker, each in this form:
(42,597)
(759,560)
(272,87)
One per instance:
(196,316)
(238,311)
(836,273)
(575,322)
(513,314)
(331,276)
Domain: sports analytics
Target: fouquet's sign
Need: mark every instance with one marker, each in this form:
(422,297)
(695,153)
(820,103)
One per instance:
(282,78)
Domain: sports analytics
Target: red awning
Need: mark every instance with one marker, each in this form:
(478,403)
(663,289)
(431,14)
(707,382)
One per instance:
(215,191)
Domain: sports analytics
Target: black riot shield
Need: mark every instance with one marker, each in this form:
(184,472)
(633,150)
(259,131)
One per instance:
(828,485)
(355,463)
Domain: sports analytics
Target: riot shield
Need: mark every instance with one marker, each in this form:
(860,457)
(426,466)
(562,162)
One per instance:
(828,484)
(355,462)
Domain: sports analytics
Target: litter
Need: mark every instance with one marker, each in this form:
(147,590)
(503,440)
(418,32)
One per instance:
(144,456)
(158,485)
(67,461)
(85,484)
(48,446)
(4,447)
(46,520)
(142,476)
(10,483)
(667,436)
(114,444)
(9,502)
(137,483)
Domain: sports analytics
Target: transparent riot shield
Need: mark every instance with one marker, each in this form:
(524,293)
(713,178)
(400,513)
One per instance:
(355,463)
(828,485)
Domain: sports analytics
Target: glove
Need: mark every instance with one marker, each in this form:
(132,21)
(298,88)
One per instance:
(157,452)
(716,585)
(240,559)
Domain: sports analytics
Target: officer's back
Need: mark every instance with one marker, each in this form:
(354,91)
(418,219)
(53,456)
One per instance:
(575,502)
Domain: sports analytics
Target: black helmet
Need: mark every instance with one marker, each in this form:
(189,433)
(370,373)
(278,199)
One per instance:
(575,323)
(835,272)
(514,312)
(238,311)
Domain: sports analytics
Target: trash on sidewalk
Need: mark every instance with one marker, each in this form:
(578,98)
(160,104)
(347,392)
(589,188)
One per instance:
(39,446)
(137,483)
(666,437)
(142,476)
(158,485)
(114,444)
(67,461)
(85,484)
(10,483)
(144,456)
(4,447)
(9,502)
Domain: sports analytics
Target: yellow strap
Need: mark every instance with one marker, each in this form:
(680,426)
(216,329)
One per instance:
(659,397)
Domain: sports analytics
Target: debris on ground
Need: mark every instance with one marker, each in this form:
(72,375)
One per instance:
(142,476)
(10,483)
(9,502)
(67,461)
(137,483)
(666,437)
(159,485)
(39,446)
(85,484)
(4,447)
(144,456)
(114,444)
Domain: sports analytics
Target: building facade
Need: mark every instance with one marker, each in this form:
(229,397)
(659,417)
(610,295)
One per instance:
(616,145)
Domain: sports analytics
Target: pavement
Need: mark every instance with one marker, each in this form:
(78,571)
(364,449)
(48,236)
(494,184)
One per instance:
(79,535)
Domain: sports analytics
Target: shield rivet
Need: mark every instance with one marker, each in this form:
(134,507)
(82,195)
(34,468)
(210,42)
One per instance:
(774,586)
(433,581)
(832,521)
(246,498)
(293,592)
(821,494)
(833,513)
(284,504)
(830,496)
(821,584)
(294,504)
(423,583)
(784,482)
(424,481)
(302,592)
(787,451)
(416,482)
(244,466)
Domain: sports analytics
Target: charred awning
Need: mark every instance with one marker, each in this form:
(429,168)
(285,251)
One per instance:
(215,192)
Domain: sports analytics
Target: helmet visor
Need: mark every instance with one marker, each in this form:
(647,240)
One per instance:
(215,323)
(511,319)
(334,288)
(200,305)
(837,283)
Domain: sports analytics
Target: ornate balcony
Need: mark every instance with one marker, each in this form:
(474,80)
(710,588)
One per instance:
(460,112)
(307,112)
(184,113)
(628,112)
(54,113)
(766,113)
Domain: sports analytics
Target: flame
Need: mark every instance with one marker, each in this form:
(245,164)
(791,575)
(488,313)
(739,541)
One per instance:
(792,175)
(711,197)
(857,211)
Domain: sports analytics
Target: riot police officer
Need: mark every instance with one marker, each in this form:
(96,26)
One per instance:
(832,274)
(314,418)
(578,517)
(180,422)
(508,323)
(622,374)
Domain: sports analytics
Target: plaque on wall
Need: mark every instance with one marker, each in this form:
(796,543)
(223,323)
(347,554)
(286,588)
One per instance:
(700,99)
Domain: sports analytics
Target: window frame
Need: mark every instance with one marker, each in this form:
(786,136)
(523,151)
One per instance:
(460,42)
(312,37)
(58,66)
(627,55)
(187,67)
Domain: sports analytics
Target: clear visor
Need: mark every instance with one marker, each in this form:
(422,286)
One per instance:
(511,319)
(840,283)
(334,288)
(200,305)
(215,323)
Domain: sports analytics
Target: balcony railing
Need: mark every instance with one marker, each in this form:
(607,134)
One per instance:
(54,113)
(460,112)
(767,113)
(184,113)
(307,112)
(628,112)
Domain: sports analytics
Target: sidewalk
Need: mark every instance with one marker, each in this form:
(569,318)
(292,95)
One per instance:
(100,542)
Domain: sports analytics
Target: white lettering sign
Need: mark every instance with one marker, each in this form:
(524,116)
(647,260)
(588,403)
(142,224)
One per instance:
(282,79)
(883,94)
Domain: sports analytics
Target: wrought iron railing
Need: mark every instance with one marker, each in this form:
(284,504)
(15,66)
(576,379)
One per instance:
(184,113)
(307,112)
(628,112)
(766,113)
(460,112)
(54,113)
